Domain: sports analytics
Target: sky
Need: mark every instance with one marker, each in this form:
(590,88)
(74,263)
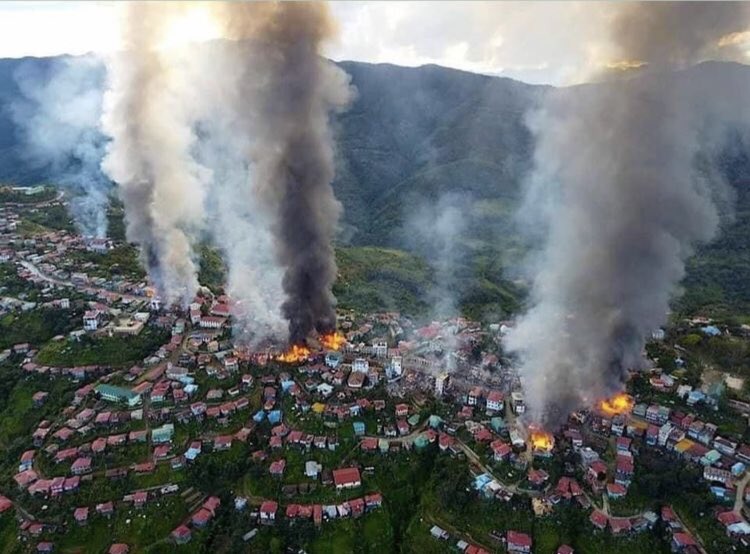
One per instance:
(537,42)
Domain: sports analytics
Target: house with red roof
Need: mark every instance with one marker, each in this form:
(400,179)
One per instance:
(140,498)
(446,441)
(71,483)
(598,519)
(500,450)
(81,466)
(5,504)
(564,549)
(201,518)
(729,518)
(57,485)
(182,535)
(518,542)
(161,451)
(145,467)
(537,477)
(670,519)
(268,511)
(619,525)
(81,515)
(403,427)
(373,501)
(357,506)
(223,442)
(495,401)
(212,504)
(99,445)
(105,509)
(346,478)
(119,548)
(682,541)
(616,490)
(277,468)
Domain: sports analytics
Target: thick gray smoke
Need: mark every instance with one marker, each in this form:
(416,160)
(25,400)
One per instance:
(240,227)
(151,126)
(292,93)
(58,115)
(624,191)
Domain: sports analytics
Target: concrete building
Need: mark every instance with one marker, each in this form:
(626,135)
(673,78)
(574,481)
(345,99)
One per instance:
(441,384)
(112,393)
(517,402)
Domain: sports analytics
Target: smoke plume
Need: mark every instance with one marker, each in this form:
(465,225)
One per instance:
(240,227)
(287,106)
(624,189)
(435,231)
(151,129)
(58,117)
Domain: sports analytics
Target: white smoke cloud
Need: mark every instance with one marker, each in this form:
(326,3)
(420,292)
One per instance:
(150,155)
(58,117)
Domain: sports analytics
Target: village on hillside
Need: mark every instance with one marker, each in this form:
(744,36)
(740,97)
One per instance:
(200,428)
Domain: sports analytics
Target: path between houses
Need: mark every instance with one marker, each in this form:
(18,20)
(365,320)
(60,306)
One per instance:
(460,534)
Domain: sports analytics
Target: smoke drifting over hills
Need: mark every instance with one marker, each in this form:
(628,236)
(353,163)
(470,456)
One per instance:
(149,156)
(293,93)
(248,120)
(435,231)
(58,116)
(624,189)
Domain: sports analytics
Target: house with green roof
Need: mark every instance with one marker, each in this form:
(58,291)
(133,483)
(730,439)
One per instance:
(162,434)
(112,393)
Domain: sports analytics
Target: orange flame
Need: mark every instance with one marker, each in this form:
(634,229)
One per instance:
(297,353)
(333,341)
(541,440)
(618,404)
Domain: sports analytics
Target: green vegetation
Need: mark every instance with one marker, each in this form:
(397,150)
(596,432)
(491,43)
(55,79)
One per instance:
(29,229)
(7,194)
(13,285)
(212,272)
(119,261)
(718,277)
(102,350)
(52,217)
(374,279)
(116,220)
(36,326)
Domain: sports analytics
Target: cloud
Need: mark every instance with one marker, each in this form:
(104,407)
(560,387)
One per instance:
(538,42)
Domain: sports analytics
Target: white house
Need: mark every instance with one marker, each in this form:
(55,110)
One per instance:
(91,320)
(212,322)
(495,401)
(441,383)
(394,369)
(380,349)
(361,365)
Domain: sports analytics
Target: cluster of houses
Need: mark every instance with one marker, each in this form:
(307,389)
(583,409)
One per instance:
(514,541)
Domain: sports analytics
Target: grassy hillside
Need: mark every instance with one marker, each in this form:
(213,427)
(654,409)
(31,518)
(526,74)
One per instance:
(372,278)
(376,278)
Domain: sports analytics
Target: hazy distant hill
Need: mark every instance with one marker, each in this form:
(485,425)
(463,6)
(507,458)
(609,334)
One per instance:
(414,135)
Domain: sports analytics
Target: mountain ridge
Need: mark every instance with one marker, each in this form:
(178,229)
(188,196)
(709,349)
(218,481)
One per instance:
(415,136)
